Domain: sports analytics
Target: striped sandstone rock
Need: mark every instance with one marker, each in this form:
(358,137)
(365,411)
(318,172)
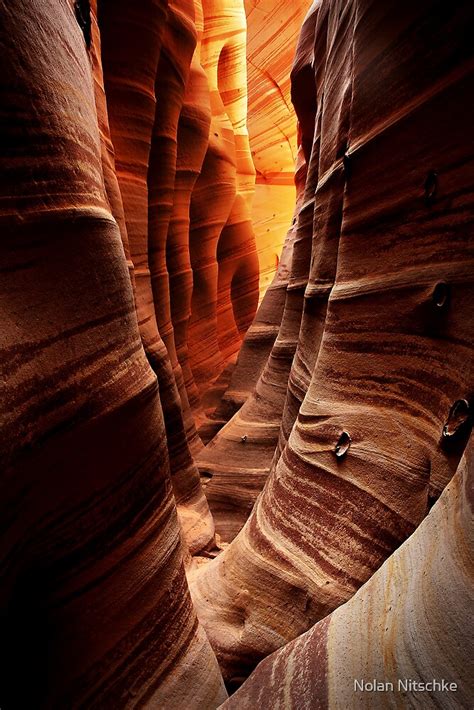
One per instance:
(95,609)
(223,252)
(237,461)
(178,45)
(132,106)
(238,473)
(393,365)
(408,625)
(273,29)
(192,139)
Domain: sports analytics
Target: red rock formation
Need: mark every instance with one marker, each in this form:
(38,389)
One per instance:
(307,95)
(238,459)
(272,34)
(259,339)
(107,150)
(407,626)
(95,609)
(353,480)
(224,261)
(193,138)
(126,185)
(273,29)
(236,252)
(179,39)
(236,474)
(131,98)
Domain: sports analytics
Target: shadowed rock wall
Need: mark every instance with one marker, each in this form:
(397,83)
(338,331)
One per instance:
(95,609)
(382,375)
(136,134)
(237,473)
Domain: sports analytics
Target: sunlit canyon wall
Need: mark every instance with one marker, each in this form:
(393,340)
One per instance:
(273,29)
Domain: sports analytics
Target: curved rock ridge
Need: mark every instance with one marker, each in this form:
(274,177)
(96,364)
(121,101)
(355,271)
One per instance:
(136,120)
(273,29)
(260,337)
(95,609)
(173,70)
(237,474)
(313,84)
(223,251)
(107,150)
(238,459)
(385,381)
(404,640)
(258,341)
(149,156)
(192,142)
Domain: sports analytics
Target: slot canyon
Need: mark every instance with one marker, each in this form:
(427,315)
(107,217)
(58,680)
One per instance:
(236,354)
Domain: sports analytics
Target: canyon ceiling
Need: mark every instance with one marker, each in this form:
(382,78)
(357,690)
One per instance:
(236,354)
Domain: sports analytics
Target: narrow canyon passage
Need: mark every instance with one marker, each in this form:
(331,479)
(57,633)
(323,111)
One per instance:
(236,354)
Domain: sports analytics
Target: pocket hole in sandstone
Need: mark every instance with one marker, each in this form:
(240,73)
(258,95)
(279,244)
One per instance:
(441,294)
(431,186)
(343,445)
(459,416)
(82,9)
(346,161)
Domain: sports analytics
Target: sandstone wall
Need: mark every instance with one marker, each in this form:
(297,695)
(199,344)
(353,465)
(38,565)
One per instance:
(152,420)
(378,401)
(95,609)
(401,630)
(273,29)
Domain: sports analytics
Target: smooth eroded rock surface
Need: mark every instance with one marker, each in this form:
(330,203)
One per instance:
(191,484)
(385,332)
(408,626)
(95,606)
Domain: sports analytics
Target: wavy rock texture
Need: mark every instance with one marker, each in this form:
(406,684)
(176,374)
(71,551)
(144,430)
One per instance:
(273,29)
(149,155)
(236,252)
(259,339)
(179,40)
(107,150)
(392,229)
(95,610)
(138,141)
(237,460)
(411,620)
(192,142)
(271,39)
(237,474)
(223,252)
(314,241)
